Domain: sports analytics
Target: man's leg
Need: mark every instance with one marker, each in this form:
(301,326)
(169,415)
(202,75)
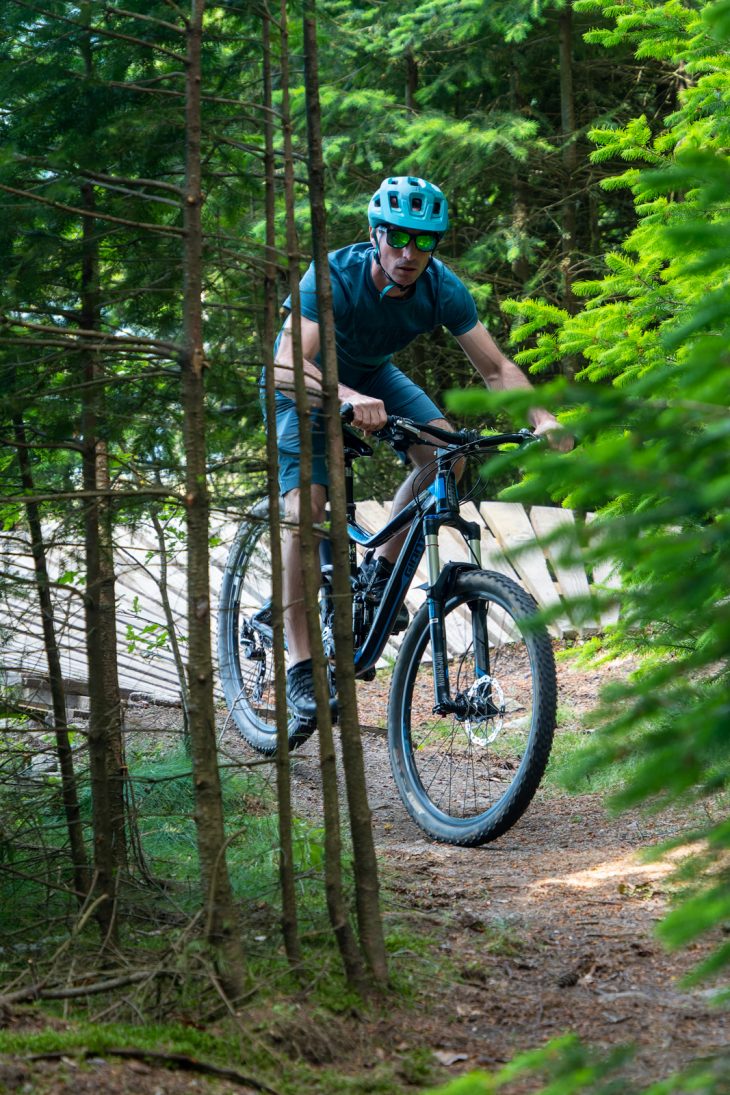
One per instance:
(295,619)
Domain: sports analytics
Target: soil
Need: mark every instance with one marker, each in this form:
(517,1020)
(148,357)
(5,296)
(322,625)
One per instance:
(547,930)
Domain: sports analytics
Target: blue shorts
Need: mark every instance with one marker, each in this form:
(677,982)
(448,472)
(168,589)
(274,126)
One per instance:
(399,394)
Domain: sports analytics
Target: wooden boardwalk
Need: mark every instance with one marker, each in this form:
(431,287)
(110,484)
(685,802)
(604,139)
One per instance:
(146,665)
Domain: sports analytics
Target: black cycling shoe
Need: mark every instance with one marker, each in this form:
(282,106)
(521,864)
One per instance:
(375,573)
(300,692)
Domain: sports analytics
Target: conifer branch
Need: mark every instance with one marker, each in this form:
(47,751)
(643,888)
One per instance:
(178,11)
(97,336)
(168,229)
(135,194)
(111,10)
(149,90)
(101,31)
(95,176)
(76,495)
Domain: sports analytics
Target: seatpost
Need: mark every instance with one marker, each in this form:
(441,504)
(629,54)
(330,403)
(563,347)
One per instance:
(350,508)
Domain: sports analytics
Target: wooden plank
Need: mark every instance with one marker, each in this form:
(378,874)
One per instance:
(513,531)
(606,578)
(503,529)
(493,557)
(548,522)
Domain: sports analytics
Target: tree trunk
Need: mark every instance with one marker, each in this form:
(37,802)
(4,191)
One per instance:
(55,675)
(336,904)
(106,750)
(171,626)
(520,205)
(411,80)
(570,163)
(365,864)
(221,923)
(283,768)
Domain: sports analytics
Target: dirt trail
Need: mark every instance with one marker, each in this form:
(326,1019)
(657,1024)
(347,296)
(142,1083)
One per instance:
(549,929)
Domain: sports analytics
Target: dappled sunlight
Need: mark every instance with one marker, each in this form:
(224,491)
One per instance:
(623,869)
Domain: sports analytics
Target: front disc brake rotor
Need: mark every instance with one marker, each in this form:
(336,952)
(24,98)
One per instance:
(485,719)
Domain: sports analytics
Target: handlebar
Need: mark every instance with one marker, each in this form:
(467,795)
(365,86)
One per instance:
(401,433)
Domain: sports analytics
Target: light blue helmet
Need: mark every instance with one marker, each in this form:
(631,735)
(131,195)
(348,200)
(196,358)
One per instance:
(410,203)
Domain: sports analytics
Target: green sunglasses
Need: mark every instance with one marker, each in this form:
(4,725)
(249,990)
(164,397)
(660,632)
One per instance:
(398,238)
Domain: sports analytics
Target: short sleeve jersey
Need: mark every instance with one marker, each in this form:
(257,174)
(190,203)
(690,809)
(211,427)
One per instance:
(369,328)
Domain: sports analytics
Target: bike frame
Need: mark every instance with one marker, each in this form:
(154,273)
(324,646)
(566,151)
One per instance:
(433,508)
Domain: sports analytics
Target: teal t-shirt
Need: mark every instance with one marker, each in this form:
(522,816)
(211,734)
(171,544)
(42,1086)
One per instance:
(370,329)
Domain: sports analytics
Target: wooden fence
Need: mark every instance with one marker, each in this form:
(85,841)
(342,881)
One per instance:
(146,665)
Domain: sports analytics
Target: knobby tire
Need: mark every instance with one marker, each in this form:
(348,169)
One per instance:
(466,781)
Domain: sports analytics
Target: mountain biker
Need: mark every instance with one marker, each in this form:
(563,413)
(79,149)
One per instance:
(385,293)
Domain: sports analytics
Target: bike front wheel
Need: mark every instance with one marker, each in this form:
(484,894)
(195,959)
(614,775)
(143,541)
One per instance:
(467,776)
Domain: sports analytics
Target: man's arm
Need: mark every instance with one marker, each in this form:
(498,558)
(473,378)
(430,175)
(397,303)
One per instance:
(369,413)
(500,374)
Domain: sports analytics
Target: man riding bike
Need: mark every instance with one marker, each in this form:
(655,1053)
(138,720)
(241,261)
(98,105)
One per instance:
(385,293)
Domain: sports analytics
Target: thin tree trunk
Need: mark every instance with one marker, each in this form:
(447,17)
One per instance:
(283,769)
(365,864)
(520,265)
(178,659)
(55,675)
(336,904)
(221,922)
(411,80)
(106,738)
(570,164)
(106,755)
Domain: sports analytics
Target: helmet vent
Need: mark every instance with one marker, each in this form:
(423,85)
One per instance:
(436,208)
(394,203)
(417,204)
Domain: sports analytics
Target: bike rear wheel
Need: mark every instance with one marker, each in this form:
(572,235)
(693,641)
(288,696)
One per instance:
(245,638)
(466,778)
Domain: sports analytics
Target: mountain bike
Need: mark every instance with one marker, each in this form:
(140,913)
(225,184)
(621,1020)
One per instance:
(471,710)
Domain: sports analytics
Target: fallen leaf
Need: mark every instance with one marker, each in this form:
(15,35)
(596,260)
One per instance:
(447,1059)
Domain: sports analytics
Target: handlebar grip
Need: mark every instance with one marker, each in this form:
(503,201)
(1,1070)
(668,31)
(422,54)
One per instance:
(347,412)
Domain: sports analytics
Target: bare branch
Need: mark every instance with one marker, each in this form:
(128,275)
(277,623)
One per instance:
(94,175)
(177,10)
(99,336)
(136,194)
(64,446)
(95,215)
(181,1060)
(253,149)
(72,495)
(146,18)
(149,90)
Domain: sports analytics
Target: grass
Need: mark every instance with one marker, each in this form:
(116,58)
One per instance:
(38,911)
(245,1050)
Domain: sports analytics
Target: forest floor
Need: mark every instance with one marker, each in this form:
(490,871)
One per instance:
(547,930)
(550,929)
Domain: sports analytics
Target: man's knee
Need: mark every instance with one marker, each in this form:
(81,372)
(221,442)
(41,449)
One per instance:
(293,500)
(424,455)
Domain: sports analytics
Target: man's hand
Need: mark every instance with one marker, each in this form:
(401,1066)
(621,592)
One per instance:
(557,436)
(368,413)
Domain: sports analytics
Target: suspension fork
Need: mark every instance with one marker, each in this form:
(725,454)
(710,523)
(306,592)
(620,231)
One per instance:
(441,584)
(436,622)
